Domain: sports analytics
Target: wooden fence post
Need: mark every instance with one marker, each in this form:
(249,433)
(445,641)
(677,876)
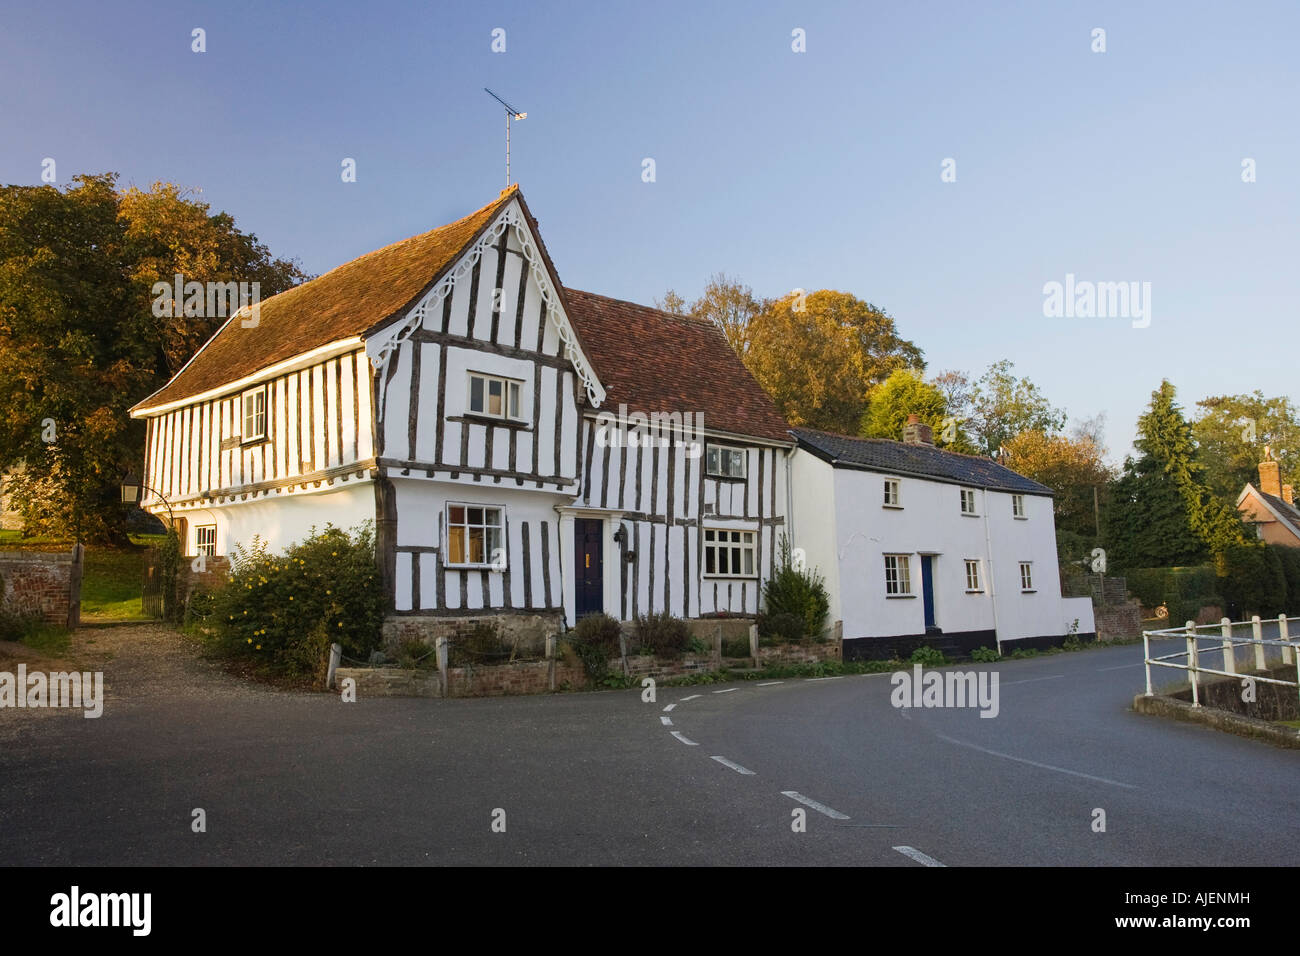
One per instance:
(441,646)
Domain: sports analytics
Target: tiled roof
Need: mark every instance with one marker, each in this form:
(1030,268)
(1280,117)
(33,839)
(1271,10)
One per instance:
(655,361)
(921,461)
(1289,513)
(342,303)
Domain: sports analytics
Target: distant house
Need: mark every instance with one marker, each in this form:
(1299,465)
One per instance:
(1270,506)
(925,546)
(451,390)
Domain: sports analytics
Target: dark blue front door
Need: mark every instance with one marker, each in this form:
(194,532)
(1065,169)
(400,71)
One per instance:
(589,577)
(927,589)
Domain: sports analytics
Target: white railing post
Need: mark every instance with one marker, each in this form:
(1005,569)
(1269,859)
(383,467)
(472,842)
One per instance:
(1146,657)
(1283,635)
(1229,656)
(1257,632)
(1193,663)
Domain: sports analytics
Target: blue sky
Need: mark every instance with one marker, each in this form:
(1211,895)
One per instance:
(816,170)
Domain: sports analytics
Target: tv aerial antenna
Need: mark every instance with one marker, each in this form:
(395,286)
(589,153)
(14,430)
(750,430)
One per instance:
(511,114)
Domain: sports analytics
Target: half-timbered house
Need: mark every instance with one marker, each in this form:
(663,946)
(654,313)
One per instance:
(448,388)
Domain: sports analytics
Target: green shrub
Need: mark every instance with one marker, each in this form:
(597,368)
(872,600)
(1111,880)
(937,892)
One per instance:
(18,624)
(783,627)
(200,606)
(928,657)
(736,647)
(1148,585)
(595,641)
(1290,559)
(662,635)
(481,646)
(1251,580)
(985,655)
(697,646)
(798,591)
(287,609)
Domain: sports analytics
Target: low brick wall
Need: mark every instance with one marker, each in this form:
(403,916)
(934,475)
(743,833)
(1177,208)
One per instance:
(799,653)
(389,681)
(1239,724)
(529,677)
(661,668)
(44,582)
(1118,620)
(213,577)
(526,632)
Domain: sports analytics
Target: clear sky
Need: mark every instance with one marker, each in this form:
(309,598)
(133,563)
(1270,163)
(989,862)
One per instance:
(819,169)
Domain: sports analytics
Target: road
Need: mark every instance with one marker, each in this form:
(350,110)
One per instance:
(704,775)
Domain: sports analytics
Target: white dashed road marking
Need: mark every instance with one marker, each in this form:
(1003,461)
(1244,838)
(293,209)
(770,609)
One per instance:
(1119,668)
(727,691)
(735,766)
(692,697)
(918,856)
(666,721)
(669,707)
(1030,680)
(837,677)
(771,683)
(688,742)
(1035,763)
(809,802)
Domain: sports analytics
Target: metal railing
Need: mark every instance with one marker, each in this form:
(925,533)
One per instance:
(1226,637)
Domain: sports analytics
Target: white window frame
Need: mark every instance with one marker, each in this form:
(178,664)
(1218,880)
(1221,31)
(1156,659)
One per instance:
(250,431)
(1018,507)
(721,546)
(1027,577)
(719,470)
(208,548)
(512,396)
(488,545)
(901,578)
(974,582)
(968,494)
(896,499)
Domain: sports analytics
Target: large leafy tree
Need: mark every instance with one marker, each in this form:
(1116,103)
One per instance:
(727,303)
(1162,512)
(1232,431)
(1003,405)
(1073,467)
(906,393)
(820,354)
(79,341)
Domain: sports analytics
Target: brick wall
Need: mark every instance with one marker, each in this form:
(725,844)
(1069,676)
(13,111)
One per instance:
(1118,620)
(799,653)
(526,633)
(42,582)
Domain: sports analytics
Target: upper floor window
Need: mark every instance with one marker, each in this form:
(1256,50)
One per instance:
(892,499)
(474,535)
(968,501)
(729,553)
(1018,506)
(254,402)
(1026,576)
(898,577)
(205,540)
(721,461)
(492,396)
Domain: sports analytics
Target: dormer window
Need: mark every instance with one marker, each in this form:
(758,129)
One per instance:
(492,396)
(254,402)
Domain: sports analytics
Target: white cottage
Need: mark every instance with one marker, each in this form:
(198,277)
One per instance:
(925,546)
(528,452)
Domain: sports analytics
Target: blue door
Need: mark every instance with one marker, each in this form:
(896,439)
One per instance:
(589,579)
(927,590)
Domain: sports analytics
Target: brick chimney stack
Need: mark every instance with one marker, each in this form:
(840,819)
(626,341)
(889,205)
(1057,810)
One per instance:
(1270,475)
(1287,495)
(915,433)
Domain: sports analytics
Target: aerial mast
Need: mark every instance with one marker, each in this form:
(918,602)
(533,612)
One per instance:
(511,114)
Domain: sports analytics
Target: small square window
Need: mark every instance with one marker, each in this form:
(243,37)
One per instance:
(474,536)
(898,578)
(723,462)
(494,397)
(892,493)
